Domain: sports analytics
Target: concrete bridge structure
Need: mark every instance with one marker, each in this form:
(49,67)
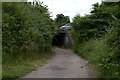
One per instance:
(62,38)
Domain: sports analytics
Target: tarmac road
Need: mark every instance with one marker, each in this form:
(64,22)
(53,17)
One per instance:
(65,64)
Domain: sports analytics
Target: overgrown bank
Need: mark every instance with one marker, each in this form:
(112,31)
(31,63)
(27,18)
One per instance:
(96,38)
(27,35)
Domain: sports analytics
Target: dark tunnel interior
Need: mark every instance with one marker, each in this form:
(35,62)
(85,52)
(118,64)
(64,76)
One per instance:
(58,40)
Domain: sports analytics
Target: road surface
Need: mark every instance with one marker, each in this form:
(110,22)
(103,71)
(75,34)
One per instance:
(65,64)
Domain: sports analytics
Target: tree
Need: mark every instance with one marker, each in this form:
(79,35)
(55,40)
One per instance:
(62,20)
(101,25)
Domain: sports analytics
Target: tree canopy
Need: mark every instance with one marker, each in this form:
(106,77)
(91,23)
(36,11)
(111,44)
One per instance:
(62,20)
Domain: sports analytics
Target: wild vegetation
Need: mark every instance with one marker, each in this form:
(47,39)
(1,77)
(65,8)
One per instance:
(27,35)
(28,30)
(96,38)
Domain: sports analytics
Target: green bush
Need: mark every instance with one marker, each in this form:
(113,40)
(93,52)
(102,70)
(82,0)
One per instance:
(96,38)
(27,30)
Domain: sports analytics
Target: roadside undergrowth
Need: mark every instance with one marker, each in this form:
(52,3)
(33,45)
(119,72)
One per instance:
(20,68)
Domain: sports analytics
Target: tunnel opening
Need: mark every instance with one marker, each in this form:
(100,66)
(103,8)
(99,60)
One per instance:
(58,40)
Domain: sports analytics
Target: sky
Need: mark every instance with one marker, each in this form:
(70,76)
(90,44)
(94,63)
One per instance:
(69,7)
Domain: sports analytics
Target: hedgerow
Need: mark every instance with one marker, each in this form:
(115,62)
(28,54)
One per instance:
(27,30)
(96,37)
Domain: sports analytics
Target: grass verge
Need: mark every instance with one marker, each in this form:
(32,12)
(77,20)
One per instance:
(22,67)
(98,53)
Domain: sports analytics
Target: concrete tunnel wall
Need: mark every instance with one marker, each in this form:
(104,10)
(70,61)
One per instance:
(62,40)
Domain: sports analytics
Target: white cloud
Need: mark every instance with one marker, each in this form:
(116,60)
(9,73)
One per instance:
(69,7)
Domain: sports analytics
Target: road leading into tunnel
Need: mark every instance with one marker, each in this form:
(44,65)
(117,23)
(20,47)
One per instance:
(65,64)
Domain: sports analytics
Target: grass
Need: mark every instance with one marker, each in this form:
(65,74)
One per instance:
(0,67)
(0,55)
(96,51)
(23,67)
